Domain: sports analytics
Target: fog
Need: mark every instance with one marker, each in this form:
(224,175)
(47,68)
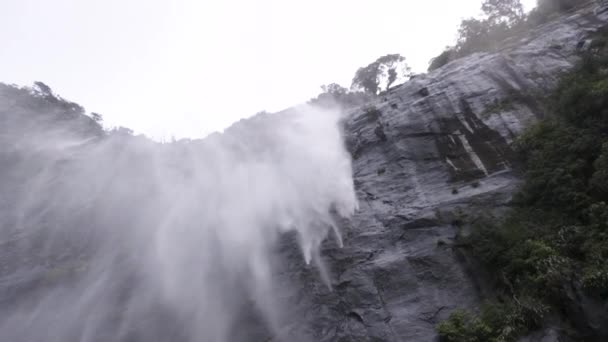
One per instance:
(111,237)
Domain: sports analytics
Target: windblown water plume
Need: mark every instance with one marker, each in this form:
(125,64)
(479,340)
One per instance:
(111,237)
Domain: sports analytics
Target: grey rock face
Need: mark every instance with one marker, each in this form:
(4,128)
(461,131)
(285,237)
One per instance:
(425,151)
(425,154)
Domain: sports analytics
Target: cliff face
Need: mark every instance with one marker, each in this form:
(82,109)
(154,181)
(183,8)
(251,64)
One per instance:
(426,153)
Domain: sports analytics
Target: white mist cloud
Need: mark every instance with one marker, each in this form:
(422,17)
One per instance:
(138,229)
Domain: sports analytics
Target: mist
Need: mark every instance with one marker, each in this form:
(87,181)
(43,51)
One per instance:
(114,237)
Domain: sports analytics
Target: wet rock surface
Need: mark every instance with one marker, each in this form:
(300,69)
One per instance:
(424,153)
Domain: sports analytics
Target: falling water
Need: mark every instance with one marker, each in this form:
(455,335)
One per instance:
(118,238)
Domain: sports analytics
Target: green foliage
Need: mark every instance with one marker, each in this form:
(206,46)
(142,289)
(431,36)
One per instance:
(546,9)
(496,322)
(444,58)
(43,89)
(477,35)
(599,179)
(556,234)
(510,12)
(501,19)
(335,95)
(386,69)
(97,117)
(462,327)
(368,81)
(41,103)
(45,92)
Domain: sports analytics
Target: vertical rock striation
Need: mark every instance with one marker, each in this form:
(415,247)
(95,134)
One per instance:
(424,152)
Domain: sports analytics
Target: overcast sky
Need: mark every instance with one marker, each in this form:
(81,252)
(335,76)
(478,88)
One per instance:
(185,68)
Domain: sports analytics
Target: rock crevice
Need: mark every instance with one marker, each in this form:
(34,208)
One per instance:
(430,148)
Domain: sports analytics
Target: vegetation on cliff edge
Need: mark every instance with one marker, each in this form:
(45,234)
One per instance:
(553,244)
(500,20)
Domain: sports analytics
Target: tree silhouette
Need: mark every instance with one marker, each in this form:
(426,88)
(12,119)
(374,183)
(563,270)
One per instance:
(334,89)
(43,88)
(510,12)
(381,74)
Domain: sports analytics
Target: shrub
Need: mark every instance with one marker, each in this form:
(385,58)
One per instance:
(502,19)
(461,326)
(556,233)
(444,58)
(496,322)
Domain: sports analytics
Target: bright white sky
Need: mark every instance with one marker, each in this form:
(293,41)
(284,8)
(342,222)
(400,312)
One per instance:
(185,68)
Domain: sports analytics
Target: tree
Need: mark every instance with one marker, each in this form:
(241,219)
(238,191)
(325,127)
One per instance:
(501,19)
(392,77)
(367,79)
(43,88)
(546,8)
(97,117)
(444,58)
(335,95)
(334,89)
(502,16)
(510,12)
(472,35)
(381,74)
